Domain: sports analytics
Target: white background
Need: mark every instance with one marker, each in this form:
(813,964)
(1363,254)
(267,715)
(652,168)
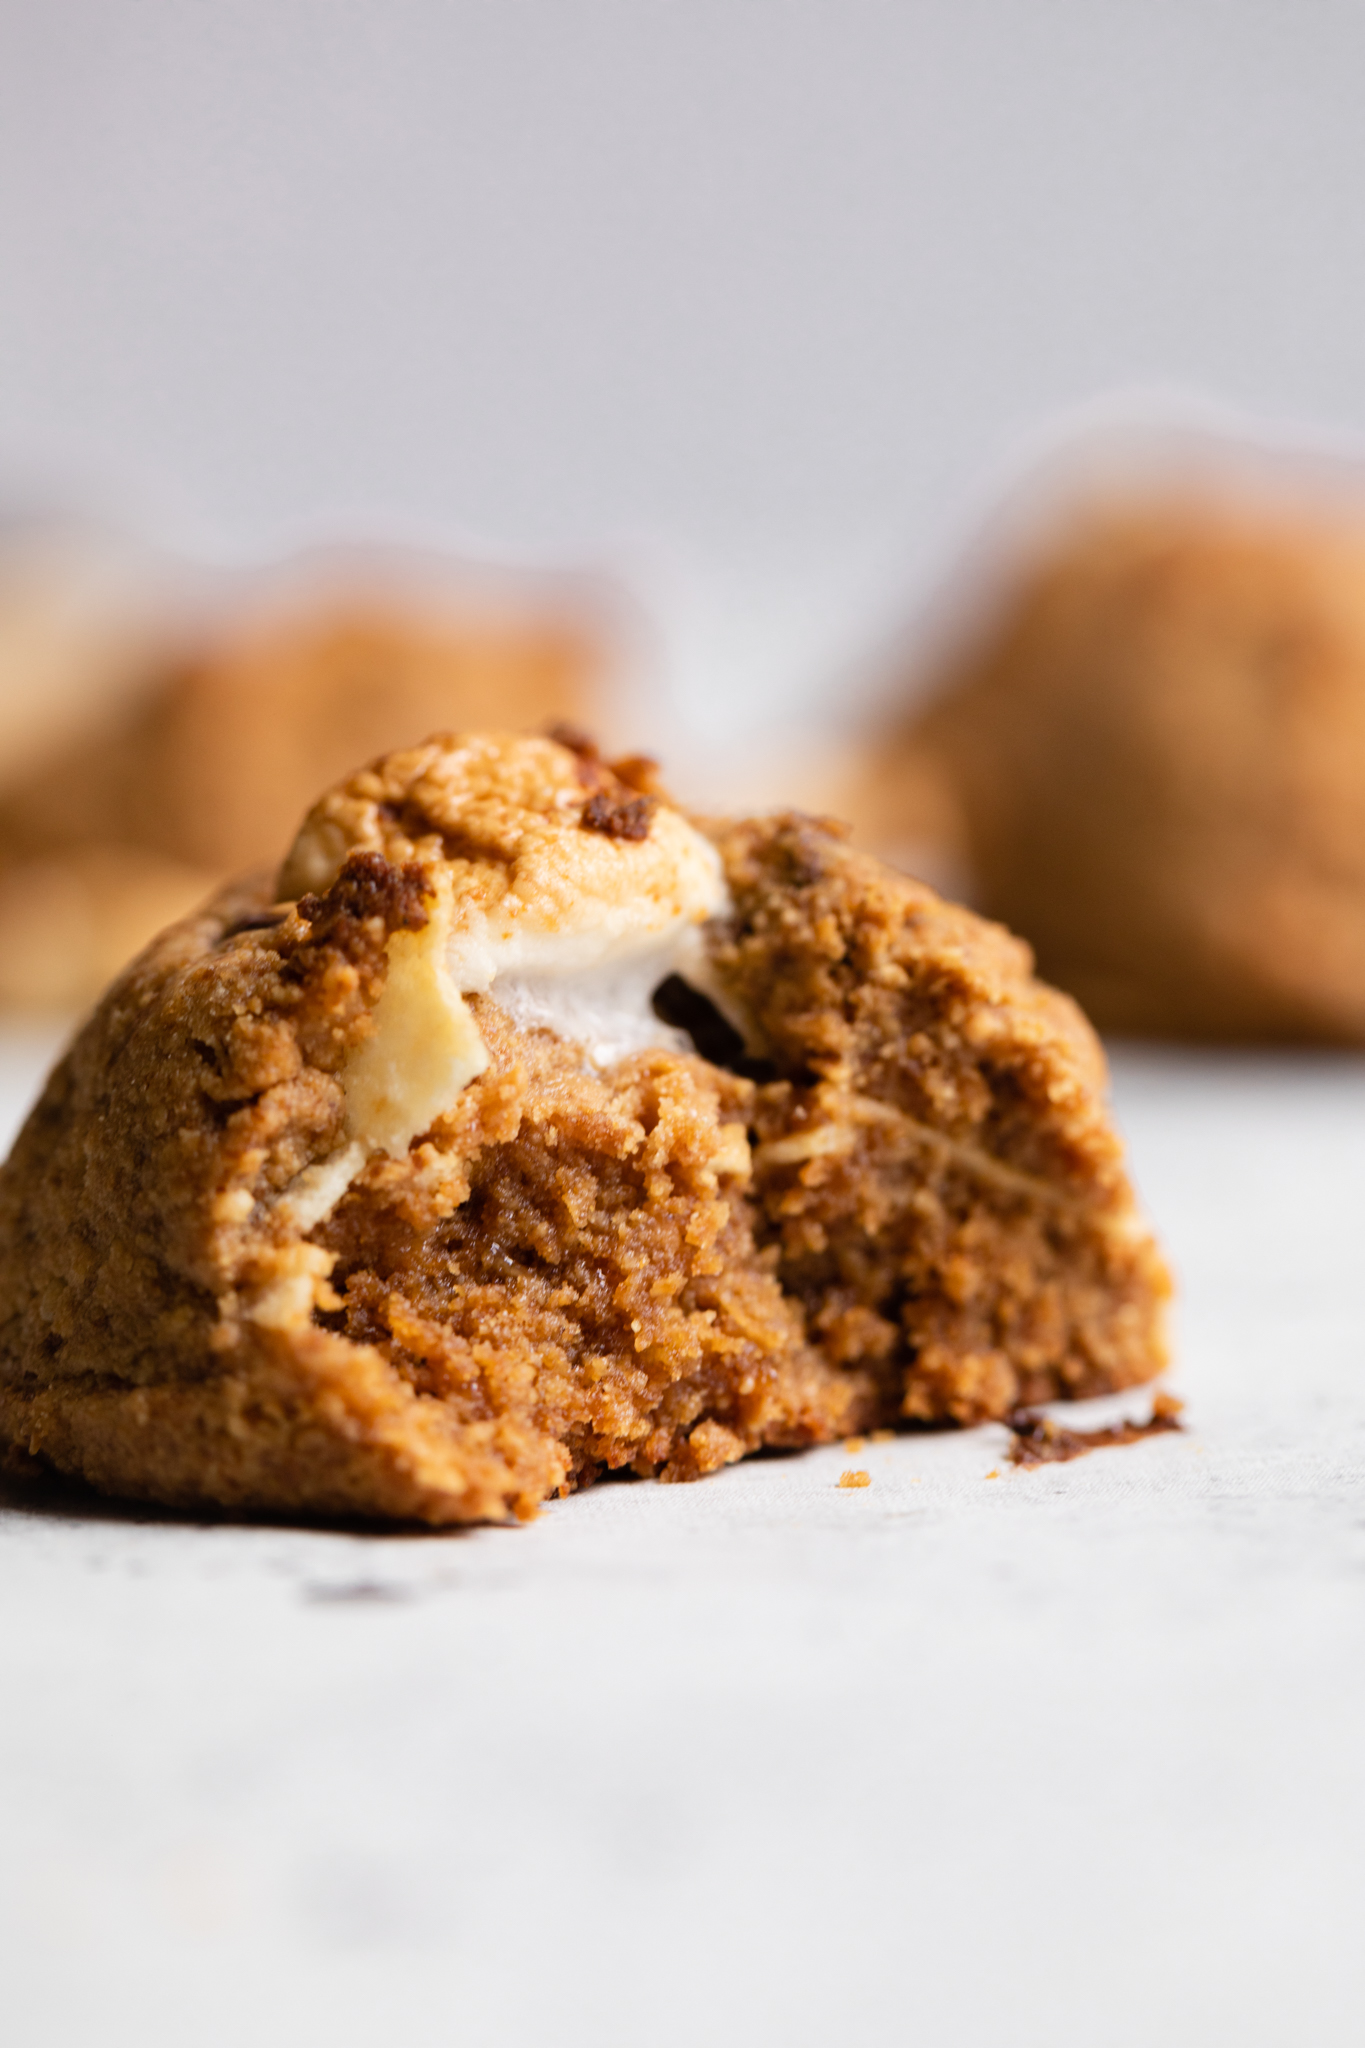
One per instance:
(546,268)
(766,286)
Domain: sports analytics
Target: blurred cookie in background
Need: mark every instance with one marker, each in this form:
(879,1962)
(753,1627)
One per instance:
(83,611)
(1149,758)
(186,754)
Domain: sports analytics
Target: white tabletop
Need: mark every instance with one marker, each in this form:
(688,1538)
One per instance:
(1070,1755)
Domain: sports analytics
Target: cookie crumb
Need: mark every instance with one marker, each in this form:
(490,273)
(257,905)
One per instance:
(851,1478)
(882,1436)
(1038,1440)
(855,1444)
(620,817)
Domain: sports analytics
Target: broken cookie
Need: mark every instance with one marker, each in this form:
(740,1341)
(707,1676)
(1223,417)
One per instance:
(522,1130)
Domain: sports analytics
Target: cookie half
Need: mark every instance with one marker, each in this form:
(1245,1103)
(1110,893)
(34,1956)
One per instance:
(521,1131)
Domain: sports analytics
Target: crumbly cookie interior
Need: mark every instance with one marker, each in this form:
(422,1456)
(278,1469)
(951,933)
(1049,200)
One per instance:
(933,1158)
(575,1251)
(865,1175)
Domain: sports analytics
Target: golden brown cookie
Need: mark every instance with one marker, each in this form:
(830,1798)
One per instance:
(523,1131)
(1153,763)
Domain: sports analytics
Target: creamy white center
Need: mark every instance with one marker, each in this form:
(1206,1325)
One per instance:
(425,1046)
(583,963)
(607,1011)
(606,1008)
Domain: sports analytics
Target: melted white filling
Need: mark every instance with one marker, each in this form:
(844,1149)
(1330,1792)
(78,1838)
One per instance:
(593,990)
(607,1008)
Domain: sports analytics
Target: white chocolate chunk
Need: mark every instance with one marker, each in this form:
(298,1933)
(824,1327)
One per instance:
(424,1048)
(315,1192)
(732,1155)
(818,1143)
(287,1301)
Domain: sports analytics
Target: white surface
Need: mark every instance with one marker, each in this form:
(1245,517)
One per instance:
(1063,1757)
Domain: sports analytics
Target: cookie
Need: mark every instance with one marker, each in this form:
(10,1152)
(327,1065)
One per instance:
(1152,762)
(521,1131)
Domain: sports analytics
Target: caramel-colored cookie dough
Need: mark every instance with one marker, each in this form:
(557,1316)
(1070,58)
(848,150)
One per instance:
(1153,764)
(202,769)
(934,1159)
(521,1130)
